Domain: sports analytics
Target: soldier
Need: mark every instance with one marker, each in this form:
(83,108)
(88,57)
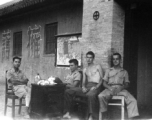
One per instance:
(116,81)
(17,79)
(92,80)
(72,81)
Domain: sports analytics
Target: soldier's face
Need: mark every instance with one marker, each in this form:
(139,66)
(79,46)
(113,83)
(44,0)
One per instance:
(116,60)
(16,63)
(73,67)
(89,59)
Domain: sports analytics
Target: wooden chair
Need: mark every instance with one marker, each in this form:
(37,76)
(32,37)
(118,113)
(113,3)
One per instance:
(121,104)
(9,94)
(80,101)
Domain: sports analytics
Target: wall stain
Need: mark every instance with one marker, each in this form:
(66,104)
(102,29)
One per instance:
(34,39)
(6,36)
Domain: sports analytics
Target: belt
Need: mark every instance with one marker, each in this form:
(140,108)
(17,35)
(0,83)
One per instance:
(115,84)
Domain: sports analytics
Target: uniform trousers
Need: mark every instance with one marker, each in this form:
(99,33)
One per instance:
(23,91)
(129,100)
(92,99)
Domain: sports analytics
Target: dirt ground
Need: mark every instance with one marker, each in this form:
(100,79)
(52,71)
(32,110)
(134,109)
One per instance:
(145,114)
(2,101)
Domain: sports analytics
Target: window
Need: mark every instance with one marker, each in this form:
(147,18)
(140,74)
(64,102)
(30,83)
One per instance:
(50,41)
(17,44)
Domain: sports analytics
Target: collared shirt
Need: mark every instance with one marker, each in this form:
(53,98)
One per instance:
(73,77)
(12,74)
(113,76)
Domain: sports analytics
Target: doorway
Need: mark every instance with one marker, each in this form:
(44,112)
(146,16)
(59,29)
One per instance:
(138,51)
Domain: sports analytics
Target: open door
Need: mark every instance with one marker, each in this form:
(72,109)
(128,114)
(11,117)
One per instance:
(131,50)
(138,52)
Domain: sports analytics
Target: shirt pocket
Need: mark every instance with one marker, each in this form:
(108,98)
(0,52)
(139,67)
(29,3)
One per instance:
(120,79)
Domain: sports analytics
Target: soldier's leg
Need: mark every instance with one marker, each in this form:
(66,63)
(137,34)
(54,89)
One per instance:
(103,97)
(93,102)
(131,104)
(68,97)
(23,91)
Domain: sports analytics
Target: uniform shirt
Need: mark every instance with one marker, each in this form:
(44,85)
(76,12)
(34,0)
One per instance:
(73,77)
(11,74)
(113,76)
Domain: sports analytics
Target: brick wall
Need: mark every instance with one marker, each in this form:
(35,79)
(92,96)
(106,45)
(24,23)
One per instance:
(118,29)
(101,36)
(69,20)
(104,35)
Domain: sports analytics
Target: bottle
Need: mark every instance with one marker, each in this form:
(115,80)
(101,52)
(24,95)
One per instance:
(37,78)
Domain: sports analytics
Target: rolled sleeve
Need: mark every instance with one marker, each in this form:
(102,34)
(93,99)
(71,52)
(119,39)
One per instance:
(126,77)
(24,77)
(77,76)
(106,76)
(8,76)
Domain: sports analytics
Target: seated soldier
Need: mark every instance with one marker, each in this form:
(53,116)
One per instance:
(17,79)
(116,81)
(73,81)
(92,80)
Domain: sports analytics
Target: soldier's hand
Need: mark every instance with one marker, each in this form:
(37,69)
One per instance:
(93,88)
(112,89)
(117,90)
(84,89)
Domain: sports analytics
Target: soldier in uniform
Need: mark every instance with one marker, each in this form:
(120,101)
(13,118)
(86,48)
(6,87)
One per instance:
(116,81)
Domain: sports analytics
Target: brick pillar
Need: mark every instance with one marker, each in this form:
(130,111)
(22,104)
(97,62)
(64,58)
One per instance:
(118,29)
(105,34)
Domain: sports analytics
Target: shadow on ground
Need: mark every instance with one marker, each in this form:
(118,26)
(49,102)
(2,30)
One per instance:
(113,113)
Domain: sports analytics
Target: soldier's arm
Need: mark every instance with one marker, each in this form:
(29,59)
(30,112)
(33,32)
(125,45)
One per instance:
(24,79)
(15,81)
(126,80)
(106,79)
(84,89)
(101,76)
(76,80)
(105,84)
(84,78)
(11,79)
(75,84)
(125,83)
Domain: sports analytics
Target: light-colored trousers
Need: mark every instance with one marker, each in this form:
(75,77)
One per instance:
(131,102)
(23,91)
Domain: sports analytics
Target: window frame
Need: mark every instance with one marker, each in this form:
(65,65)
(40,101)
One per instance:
(14,45)
(55,40)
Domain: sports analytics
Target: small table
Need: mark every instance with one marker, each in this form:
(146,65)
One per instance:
(47,101)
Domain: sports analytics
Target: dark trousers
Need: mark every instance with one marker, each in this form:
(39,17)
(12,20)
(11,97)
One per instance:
(68,97)
(93,103)
(92,99)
